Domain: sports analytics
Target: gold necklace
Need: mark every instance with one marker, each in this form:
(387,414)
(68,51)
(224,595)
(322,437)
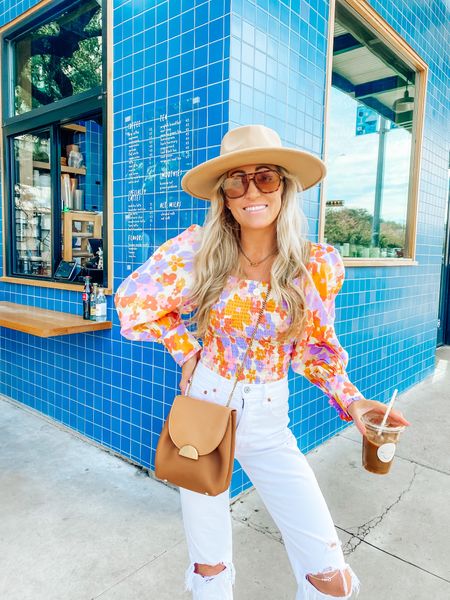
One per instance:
(253,263)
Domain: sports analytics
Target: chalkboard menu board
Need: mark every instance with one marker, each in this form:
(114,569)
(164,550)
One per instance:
(158,153)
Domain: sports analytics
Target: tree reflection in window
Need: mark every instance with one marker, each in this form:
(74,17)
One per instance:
(59,59)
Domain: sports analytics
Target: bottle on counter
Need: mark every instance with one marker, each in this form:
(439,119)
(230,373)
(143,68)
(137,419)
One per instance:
(93,301)
(100,305)
(87,298)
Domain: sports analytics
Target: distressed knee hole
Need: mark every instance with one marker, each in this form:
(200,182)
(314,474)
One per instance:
(209,570)
(199,575)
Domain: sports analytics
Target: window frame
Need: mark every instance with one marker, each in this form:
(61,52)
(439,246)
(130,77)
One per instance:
(53,116)
(398,45)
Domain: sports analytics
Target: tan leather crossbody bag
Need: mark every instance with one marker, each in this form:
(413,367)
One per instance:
(196,446)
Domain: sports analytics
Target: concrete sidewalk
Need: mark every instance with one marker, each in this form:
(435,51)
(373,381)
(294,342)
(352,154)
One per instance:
(78,523)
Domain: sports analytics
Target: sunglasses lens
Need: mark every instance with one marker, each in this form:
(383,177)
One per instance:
(234,187)
(237,185)
(267,181)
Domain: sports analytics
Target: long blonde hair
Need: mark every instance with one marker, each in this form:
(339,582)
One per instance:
(218,257)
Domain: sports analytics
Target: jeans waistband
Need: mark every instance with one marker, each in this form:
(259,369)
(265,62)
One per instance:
(250,389)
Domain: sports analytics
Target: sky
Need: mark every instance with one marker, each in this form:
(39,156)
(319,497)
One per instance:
(352,162)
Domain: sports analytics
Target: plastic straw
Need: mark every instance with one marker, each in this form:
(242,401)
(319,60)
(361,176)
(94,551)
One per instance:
(386,414)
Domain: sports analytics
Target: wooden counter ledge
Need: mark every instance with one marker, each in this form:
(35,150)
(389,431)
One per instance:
(45,323)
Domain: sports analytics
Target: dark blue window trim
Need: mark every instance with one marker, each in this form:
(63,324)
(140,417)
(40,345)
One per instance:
(46,117)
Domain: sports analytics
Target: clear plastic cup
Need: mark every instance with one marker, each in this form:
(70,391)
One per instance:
(379,444)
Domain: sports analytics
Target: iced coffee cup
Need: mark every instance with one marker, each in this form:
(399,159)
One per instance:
(379,443)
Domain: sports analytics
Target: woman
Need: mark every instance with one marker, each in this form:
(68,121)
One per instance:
(250,248)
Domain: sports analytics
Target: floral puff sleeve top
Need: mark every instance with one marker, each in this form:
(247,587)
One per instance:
(318,355)
(151,300)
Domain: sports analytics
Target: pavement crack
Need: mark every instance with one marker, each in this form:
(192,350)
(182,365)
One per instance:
(363,530)
(136,570)
(271,532)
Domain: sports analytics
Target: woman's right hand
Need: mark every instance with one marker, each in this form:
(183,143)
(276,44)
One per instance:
(186,371)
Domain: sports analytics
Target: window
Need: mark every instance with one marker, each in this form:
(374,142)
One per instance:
(53,137)
(32,204)
(58,59)
(374,123)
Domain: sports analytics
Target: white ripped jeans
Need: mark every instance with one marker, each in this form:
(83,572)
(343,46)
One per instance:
(268,452)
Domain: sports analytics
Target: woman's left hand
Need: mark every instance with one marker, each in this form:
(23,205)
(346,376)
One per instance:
(359,407)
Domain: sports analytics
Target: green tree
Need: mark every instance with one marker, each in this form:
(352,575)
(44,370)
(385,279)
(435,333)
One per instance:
(392,234)
(352,225)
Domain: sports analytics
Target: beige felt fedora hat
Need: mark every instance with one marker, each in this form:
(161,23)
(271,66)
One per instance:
(248,145)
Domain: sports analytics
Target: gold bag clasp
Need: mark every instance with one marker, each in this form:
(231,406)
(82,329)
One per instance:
(188,452)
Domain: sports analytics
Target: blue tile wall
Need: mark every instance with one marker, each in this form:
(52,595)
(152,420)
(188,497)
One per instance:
(386,316)
(91,147)
(183,73)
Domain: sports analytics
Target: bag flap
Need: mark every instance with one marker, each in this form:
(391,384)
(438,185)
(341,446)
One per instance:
(197,423)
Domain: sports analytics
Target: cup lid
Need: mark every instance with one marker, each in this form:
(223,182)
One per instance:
(374,420)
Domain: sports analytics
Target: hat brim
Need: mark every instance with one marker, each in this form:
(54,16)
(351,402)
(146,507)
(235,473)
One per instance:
(307,168)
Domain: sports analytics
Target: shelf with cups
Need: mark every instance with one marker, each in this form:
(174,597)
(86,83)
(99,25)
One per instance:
(57,183)
(64,168)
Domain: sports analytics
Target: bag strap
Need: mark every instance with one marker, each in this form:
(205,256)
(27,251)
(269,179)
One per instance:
(241,367)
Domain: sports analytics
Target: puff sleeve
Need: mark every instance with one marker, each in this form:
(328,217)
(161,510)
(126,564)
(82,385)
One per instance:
(151,300)
(318,355)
